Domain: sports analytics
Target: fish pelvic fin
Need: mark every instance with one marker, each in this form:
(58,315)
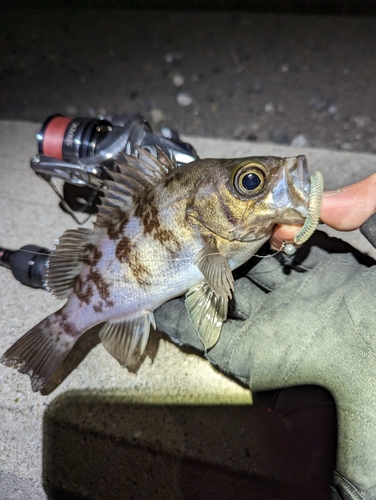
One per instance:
(41,350)
(134,175)
(65,262)
(121,338)
(207,311)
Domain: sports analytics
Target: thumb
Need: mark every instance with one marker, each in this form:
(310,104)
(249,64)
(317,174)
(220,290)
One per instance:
(349,207)
(345,209)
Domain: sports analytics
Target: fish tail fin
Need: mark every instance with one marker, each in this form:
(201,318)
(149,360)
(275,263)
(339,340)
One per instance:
(40,351)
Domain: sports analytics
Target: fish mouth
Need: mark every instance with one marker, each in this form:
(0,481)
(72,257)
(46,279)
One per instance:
(291,194)
(298,173)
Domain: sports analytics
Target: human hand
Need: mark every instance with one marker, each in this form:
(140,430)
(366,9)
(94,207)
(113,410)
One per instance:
(345,209)
(313,328)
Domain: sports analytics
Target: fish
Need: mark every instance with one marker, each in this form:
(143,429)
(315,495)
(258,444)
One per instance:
(161,231)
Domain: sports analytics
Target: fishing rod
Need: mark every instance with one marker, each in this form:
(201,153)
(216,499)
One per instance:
(28,264)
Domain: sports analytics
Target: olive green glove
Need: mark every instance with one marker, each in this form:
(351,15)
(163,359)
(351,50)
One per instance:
(309,321)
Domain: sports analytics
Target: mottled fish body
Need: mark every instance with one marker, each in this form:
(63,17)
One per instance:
(161,231)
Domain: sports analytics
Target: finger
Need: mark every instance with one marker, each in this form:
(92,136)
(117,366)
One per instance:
(283,233)
(345,210)
(349,207)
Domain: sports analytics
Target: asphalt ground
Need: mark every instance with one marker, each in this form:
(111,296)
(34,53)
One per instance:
(282,78)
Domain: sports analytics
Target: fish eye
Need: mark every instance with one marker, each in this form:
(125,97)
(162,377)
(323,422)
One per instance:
(249,180)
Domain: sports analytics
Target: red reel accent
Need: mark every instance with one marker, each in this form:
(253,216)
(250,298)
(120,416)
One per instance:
(54,137)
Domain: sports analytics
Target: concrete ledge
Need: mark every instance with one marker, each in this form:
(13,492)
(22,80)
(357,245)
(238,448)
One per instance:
(168,376)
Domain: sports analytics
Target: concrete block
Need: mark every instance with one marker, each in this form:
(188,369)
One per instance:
(173,409)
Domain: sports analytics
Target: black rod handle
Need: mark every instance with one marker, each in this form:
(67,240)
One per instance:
(28,264)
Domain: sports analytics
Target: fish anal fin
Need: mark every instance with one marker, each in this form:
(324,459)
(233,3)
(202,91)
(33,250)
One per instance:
(216,269)
(40,351)
(207,311)
(121,338)
(66,260)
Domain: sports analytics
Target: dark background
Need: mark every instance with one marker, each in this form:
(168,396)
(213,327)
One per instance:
(337,7)
(275,71)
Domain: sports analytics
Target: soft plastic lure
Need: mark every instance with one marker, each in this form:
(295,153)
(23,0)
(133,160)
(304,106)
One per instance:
(314,207)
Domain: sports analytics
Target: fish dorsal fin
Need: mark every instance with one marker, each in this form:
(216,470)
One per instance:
(66,260)
(163,160)
(135,175)
(216,269)
(207,311)
(121,338)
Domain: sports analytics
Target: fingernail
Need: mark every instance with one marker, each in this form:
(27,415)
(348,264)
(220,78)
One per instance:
(328,194)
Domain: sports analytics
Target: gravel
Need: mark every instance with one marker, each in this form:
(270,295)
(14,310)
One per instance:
(204,73)
(184,99)
(157,116)
(177,79)
(300,141)
(279,137)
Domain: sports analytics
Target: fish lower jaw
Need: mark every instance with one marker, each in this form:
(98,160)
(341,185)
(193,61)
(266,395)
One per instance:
(296,215)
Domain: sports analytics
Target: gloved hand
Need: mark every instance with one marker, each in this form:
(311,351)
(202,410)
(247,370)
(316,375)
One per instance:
(309,321)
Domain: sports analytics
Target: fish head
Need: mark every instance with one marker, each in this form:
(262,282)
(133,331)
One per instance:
(244,198)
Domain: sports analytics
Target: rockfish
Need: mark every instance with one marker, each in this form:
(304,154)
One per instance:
(161,231)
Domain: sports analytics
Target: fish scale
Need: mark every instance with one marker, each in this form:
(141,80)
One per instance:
(161,231)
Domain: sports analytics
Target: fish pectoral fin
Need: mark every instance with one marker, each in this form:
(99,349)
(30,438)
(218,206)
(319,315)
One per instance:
(67,259)
(207,311)
(216,269)
(121,338)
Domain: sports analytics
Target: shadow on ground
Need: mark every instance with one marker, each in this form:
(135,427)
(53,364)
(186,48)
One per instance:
(99,446)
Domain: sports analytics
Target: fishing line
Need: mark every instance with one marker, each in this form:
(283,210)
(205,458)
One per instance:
(88,259)
(281,249)
(311,221)
(56,258)
(309,227)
